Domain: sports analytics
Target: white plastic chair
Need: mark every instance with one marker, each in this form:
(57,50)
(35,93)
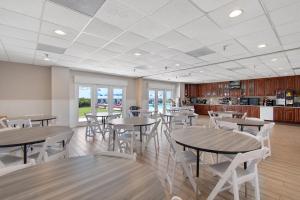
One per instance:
(55,147)
(212,120)
(179,121)
(116,155)
(94,126)
(19,123)
(233,174)
(244,115)
(125,137)
(229,126)
(164,123)
(264,136)
(250,129)
(183,158)
(152,134)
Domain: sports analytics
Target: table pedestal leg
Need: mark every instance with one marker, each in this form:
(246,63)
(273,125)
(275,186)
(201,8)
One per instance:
(198,160)
(25,154)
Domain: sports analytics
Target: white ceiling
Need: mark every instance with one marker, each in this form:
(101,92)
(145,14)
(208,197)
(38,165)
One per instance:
(162,31)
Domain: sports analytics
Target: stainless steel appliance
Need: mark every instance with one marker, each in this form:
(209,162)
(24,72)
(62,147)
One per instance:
(280,98)
(244,101)
(297,98)
(254,101)
(289,97)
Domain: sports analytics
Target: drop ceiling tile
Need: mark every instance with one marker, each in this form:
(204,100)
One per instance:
(103,55)
(116,47)
(90,63)
(289,28)
(48,28)
(276,4)
(213,58)
(169,52)
(53,41)
(130,39)
(146,6)
(102,29)
(267,37)
(183,10)
(250,9)
(149,28)
(286,14)
(40,55)
(18,51)
(188,46)
(209,5)
(290,39)
(68,58)
(182,57)
(18,20)
(24,7)
(152,47)
(64,16)
(247,27)
(173,38)
(18,33)
(21,59)
(116,13)
(90,40)
(79,50)
(7,41)
(228,48)
(210,35)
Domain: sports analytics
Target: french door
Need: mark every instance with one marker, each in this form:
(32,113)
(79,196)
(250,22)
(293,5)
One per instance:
(97,99)
(159,100)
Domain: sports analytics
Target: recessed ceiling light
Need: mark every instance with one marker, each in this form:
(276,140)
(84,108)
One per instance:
(137,54)
(200,71)
(261,46)
(274,59)
(60,32)
(177,65)
(46,57)
(235,13)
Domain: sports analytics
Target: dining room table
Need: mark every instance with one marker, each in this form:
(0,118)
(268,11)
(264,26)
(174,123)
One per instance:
(85,177)
(245,122)
(43,119)
(170,115)
(217,141)
(139,122)
(234,114)
(23,137)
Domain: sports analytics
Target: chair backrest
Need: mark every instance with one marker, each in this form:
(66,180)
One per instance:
(244,115)
(145,113)
(179,121)
(164,122)
(124,128)
(154,128)
(225,114)
(254,119)
(53,141)
(114,116)
(246,134)
(227,125)
(171,142)
(19,123)
(117,155)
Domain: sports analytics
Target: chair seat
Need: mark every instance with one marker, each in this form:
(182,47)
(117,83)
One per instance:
(186,156)
(220,168)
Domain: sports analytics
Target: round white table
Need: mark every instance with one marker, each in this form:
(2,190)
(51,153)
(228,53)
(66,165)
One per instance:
(27,136)
(36,118)
(215,141)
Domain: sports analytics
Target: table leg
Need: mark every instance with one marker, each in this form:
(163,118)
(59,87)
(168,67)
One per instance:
(114,139)
(25,154)
(198,160)
(191,121)
(242,127)
(259,127)
(141,137)
(47,122)
(42,122)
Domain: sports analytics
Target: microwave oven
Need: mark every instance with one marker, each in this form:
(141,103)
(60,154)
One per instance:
(254,101)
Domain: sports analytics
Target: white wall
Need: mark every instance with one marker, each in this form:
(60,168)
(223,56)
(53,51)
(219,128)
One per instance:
(24,89)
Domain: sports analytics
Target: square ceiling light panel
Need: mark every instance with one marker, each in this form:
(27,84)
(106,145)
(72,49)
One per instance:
(49,48)
(87,7)
(200,52)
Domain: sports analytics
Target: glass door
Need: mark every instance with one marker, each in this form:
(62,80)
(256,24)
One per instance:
(168,103)
(102,100)
(151,100)
(84,102)
(117,104)
(160,101)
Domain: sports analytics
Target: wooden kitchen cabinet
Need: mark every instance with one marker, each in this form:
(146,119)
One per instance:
(290,82)
(194,90)
(297,115)
(280,83)
(289,115)
(254,111)
(297,82)
(278,114)
(270,87)
(259,87)
(202,109)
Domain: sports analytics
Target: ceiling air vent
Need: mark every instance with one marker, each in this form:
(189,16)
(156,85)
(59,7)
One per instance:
(49,48)
(296,68)
(236,69)
(200,52)
(87,7)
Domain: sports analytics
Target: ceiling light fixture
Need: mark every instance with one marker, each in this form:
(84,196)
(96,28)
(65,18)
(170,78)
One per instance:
(137,54)
(177,65)
(261,46)
(46,57)
(60,32)
(235,13)
(274,59)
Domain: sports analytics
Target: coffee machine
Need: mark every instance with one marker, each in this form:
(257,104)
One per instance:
(280,98)
(289,97)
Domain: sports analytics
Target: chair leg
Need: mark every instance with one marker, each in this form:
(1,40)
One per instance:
(256,186)
(235,187)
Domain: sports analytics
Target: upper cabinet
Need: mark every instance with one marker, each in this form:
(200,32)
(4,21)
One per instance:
(270,86)
(290,82)
(297,82)
(259,85)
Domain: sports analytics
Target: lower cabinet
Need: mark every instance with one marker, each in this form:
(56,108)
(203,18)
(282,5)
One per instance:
(297,115)
(278,114)
(289,114)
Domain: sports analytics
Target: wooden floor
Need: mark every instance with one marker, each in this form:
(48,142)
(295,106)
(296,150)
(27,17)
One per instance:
(279,174)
